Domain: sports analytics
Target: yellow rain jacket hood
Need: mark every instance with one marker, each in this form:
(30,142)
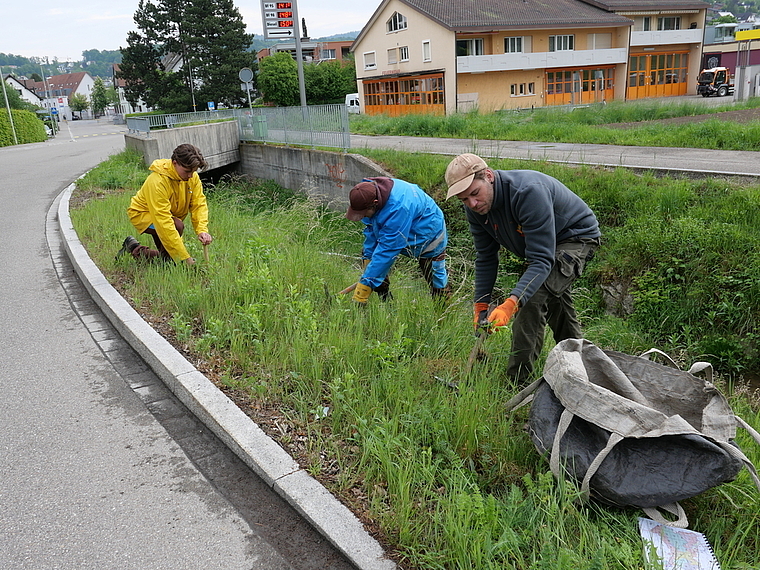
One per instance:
(165,195)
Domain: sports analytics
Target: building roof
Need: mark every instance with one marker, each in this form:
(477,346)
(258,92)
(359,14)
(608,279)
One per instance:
(639,5)
(66,83)
(67,80)
(481,15)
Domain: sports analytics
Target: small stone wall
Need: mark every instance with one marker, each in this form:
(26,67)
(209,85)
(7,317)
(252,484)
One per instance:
(324,175)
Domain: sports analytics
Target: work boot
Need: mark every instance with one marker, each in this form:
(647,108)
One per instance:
(127,246)
(383,290)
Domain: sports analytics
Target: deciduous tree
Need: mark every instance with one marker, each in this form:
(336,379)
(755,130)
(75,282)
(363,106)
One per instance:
(278,79)
(99,97)
(78,103)
(329,81)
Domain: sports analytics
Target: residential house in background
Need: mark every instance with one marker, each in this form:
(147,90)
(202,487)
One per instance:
(124,107)
(425,56)
(57,89)
(25,88)
(311,50)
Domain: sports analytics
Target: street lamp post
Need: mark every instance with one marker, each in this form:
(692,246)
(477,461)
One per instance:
(53,120)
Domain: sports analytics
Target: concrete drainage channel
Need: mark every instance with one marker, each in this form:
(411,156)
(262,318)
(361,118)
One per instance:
(217,413)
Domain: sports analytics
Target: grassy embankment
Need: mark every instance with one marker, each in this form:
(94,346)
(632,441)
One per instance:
(582,125)
(451,481)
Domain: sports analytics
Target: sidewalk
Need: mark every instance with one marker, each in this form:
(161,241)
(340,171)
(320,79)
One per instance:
(663,160)
(222,417)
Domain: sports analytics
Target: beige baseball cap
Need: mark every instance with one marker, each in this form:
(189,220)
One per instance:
(461,172)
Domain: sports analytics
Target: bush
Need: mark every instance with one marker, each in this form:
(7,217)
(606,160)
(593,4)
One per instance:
(28,127)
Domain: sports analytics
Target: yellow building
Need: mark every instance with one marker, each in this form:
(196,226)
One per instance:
(427,56)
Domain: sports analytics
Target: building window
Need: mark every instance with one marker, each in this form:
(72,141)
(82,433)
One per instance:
(599,41)
(469,47)
(517,89)
(397,96)
(562,43)
(392,58)
(669,23)
(369,60)
(403,53)
(513,45)
(396,23)
(647,24)
(327,54)
(427,54)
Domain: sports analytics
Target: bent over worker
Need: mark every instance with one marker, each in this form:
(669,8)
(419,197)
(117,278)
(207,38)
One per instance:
(172,190)
(541,220)
(400,219)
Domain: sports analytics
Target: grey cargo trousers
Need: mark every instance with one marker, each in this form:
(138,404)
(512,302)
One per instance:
(552,304)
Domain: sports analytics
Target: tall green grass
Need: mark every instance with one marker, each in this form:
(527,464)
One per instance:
(361,394)
(581,125)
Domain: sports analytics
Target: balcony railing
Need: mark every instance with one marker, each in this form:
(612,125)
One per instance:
(666,37)
(540,60)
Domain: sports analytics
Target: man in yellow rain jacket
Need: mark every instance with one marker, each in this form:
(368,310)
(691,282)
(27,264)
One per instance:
(171,191)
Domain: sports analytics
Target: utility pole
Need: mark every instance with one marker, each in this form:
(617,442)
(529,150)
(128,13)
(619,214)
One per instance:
(53,120)
(299,57)
(8,106)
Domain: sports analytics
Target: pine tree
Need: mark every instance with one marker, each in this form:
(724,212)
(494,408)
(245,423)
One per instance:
(209,39)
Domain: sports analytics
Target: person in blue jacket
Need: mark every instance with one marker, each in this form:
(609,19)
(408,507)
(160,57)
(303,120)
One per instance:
(400,219)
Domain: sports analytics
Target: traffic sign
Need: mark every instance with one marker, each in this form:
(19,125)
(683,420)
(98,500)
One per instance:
(279,33)
(246,74)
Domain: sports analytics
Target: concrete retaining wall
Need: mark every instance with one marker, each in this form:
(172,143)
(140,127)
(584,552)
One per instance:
(218,142)
(324,175)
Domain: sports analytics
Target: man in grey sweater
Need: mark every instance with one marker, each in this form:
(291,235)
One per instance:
(539,219)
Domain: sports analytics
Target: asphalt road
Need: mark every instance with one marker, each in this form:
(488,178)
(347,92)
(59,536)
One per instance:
(100,468)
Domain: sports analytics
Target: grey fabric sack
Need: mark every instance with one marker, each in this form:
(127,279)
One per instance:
(631,431)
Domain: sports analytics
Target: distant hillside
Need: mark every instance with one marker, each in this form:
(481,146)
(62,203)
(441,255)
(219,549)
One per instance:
(96,62)
(260,43)
(339,37)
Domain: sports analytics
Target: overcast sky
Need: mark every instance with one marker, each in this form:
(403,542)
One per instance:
(65,29)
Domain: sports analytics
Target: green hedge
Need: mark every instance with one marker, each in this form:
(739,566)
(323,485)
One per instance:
(28,127)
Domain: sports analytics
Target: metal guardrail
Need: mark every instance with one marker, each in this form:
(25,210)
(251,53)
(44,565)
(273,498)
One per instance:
(138,125)
(315,125)
(146,123)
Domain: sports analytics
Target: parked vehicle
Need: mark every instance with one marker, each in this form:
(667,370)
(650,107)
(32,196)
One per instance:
(715,81)
(352,102)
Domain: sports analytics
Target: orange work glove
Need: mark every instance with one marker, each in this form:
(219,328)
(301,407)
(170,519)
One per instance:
(502,314)
(362,293)
(480,318)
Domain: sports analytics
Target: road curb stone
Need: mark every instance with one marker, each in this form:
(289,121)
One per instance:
(241,434)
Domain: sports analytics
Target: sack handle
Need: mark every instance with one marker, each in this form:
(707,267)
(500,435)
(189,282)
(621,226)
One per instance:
(523,396)
(665,355)
(674,509)
(696,368)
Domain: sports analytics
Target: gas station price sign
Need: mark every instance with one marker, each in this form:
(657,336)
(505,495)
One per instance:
(279,19)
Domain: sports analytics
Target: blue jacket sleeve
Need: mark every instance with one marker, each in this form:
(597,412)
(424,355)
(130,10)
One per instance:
(390,229)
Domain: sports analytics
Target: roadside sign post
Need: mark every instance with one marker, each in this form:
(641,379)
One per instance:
(280,20)
(246,76)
